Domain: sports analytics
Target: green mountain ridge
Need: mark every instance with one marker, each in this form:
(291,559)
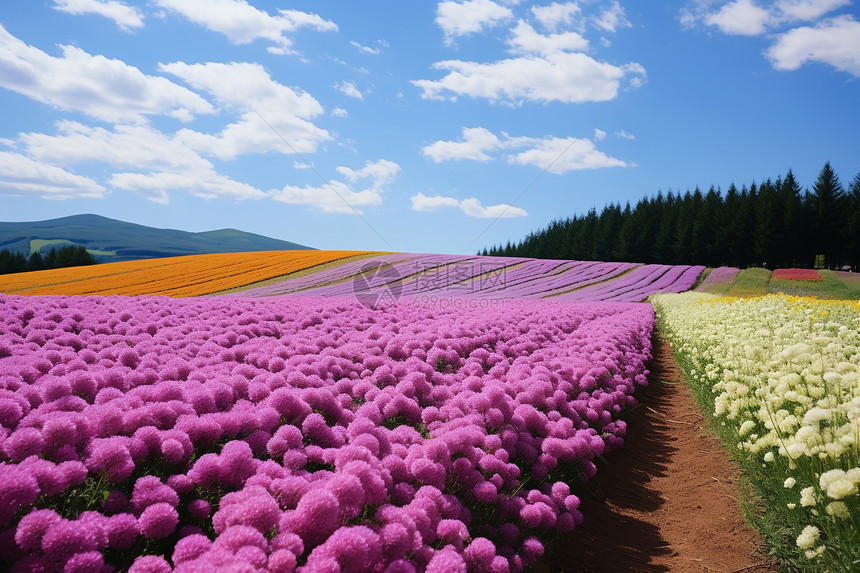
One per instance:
(111,240)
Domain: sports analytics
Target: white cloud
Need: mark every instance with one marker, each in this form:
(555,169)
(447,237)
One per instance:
(559,155)
(612,18)
(741,17)
(157,163)
(21,175)
(835,41)
(475,143)
(472,207)
(555,16)
(339,112)
(807,10)
(560,76)
(751,18)
(526,40)
(381,173)
(469,16)
(205,184)
(339,197)
(273,117)
(126,17)
(554,154)
(243,23)
(106,89)
(832,41)
(125,147)
(366,49)
(348,89)
(624,135)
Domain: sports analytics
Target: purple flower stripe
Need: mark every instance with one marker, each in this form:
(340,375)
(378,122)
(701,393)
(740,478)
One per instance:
(639,284)
(719,276)
(485,277)
(339,272)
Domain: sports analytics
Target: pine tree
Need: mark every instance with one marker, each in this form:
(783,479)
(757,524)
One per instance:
(829,203)
(852,225)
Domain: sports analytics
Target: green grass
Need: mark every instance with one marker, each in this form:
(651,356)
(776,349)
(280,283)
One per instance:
(750,282)
(37,244)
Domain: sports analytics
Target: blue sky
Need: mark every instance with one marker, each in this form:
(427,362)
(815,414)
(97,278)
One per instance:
(412,126)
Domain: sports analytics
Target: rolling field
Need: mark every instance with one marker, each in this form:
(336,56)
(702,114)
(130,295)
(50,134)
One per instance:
(343,410)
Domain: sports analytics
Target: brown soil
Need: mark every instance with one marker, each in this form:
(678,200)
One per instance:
(668,500)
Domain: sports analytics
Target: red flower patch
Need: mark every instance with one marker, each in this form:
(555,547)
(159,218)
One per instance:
(797,274)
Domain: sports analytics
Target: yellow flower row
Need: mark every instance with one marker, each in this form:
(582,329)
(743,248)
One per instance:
(192,275)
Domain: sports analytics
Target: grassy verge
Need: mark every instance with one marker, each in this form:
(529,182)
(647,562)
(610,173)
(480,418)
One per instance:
(750,282)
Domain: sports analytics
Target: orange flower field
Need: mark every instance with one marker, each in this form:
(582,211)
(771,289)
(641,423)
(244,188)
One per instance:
(193,275)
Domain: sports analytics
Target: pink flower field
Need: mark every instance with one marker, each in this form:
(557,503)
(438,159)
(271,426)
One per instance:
(309,434)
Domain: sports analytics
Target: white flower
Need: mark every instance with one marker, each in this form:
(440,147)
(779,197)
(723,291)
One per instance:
(813,553)
(817,415)
(838,509)
(807,497)
(837,484)
(808,537)
(789,482)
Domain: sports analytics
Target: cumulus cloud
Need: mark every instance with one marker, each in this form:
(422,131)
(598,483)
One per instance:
(553,154)
(624,135)
(832,41)
(566,15)
(557,77)
(559,155)
(741,17)
(207,184)
(21,175)
(272,116)
(525,40)
(470,16)
(339,197)
(471,207)
(148,162)
(126,17)
(806,10)
(752,18)
(243,23)
(348,89)
(103,88)
(835,41)
(123,147)
(475,143)
(612,18)
(550,65)
(339,112)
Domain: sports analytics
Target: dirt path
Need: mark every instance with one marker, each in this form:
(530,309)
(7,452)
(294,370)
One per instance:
(667,501)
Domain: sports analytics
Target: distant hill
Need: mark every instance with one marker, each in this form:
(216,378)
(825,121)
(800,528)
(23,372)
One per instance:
(111,240)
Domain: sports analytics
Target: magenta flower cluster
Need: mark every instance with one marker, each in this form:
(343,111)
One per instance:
(303,433)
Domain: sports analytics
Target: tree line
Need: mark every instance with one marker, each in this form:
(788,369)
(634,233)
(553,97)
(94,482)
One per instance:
(65,256)
(771,224)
